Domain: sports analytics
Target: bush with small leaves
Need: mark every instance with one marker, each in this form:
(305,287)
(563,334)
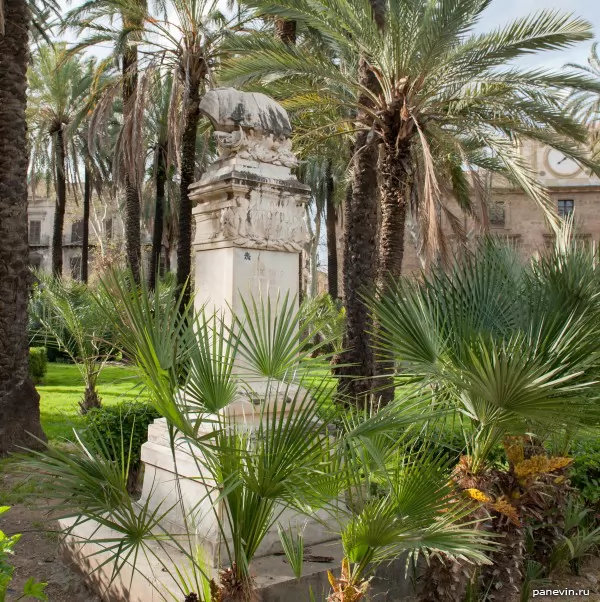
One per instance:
(38,364)
(122,429)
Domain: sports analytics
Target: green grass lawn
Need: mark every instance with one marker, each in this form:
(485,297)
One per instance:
(62,389)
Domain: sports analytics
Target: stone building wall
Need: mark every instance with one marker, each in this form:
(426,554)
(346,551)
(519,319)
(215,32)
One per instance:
(519,219)
(105,229)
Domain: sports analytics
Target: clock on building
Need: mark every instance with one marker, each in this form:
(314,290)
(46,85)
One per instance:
(560,165)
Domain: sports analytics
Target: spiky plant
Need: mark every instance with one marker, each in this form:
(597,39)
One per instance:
(494,342)
(299,454)
(71,320)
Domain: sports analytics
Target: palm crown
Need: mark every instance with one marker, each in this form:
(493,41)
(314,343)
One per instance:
(438,83)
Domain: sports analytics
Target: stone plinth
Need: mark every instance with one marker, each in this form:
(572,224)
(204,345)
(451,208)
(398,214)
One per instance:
(249,231)
(182,484)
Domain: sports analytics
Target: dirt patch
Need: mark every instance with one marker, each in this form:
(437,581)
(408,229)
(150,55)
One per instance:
(37,553)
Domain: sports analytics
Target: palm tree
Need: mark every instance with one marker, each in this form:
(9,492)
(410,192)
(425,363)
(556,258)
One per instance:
(190,46)
(71,319)
(125,37)
(439,84)
(19,401)
(59,93)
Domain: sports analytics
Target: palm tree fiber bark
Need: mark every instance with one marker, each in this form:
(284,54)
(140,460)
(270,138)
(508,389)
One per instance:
(331,223)
(19,401)
(159,203)
(61,201)
(85,242)
(188,167)
(360,264)
(133,242)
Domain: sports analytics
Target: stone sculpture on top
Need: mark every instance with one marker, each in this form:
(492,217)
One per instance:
(249,125)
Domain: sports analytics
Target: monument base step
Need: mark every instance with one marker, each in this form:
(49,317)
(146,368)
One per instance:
(275,581)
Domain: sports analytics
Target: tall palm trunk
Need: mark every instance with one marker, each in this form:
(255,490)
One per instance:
(285,31)
(394,181)
(330,225)
(188,164)
(19,401)
(391,242)
(61,201)
(132,197)
(85,241)
(159,204)
(360,262)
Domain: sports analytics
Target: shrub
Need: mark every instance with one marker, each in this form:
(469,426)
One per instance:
(585,472)
(38,363)
(122,429)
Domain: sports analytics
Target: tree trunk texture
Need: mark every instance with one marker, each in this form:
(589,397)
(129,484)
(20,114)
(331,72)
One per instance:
(159,204)
(133,242)
(285,31)
(19,401)
(61,201)
(188,165)
(85,242)
(391,245)
(90,400)
(394,181)
(330,226)
(360,264)
(313,258)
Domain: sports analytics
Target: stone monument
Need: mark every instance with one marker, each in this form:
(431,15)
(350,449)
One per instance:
(250,209)
(249,231)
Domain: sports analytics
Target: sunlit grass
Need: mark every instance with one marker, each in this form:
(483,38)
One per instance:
(62,389)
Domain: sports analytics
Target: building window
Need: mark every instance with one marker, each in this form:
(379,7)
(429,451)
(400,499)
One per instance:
(108,228)
(77,231)
(76,268)
(565,208)
(35,232)
(497,214)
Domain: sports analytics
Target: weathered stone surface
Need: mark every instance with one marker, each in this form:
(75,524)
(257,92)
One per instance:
(230,109)
(249,124)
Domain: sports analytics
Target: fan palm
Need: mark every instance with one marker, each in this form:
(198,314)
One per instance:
(295,459)
(59,94)
(512,351)
(438,83)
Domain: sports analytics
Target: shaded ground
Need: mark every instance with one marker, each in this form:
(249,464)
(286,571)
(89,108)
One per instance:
(37,554)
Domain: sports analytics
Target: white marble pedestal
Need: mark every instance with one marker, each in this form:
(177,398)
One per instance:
(249,231)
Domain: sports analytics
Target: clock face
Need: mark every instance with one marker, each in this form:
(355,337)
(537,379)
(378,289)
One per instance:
(560,165)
